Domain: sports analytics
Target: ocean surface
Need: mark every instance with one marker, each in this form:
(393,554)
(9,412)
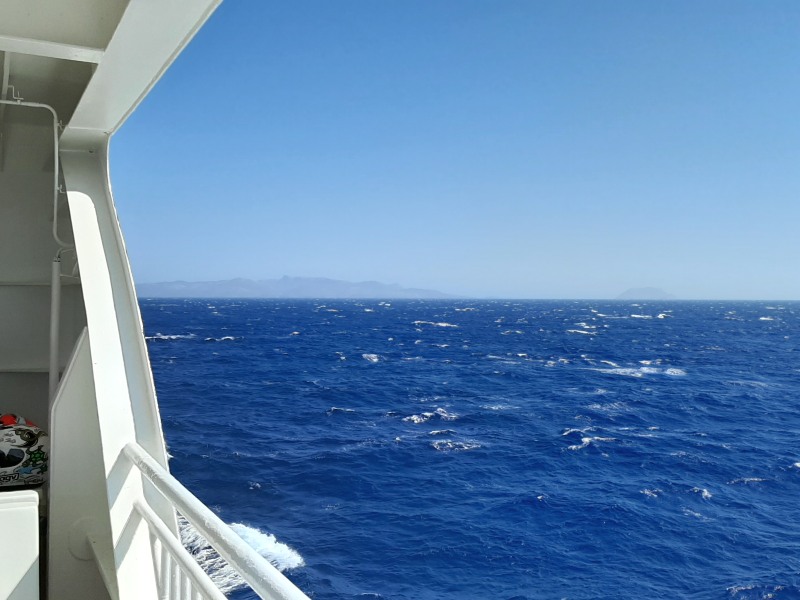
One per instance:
(491,449)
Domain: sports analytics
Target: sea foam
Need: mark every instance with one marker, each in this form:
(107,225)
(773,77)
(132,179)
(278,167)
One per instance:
(163,337)
(221,573)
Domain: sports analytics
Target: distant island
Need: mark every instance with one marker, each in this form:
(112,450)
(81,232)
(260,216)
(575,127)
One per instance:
(285,287)
(645,293)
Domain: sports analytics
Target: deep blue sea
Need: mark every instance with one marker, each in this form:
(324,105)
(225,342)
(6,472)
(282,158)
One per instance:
(493,449)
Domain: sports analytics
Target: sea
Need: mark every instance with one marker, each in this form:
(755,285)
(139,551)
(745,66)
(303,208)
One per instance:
(458,449)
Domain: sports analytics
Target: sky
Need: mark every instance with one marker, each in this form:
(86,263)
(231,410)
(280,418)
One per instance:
(488,148)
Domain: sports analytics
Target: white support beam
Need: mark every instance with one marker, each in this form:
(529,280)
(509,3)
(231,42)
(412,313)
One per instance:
(148,38)
(6,74)
(50,49)
(3,92)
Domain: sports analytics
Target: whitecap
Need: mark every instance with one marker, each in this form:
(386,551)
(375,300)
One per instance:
(424,417)
(581,431)
(641,316)
(650,493)
(446,416)
(225,577)
(588,441)
(161,336)
(642,371)
(420,418)
(454,446)
(746,480)
(765,319)
(675,372)
(441,324)
(704,493)
(335,409)
(373,358)
(610,407)
(581,331)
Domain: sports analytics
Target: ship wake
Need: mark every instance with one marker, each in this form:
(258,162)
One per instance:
(225,577)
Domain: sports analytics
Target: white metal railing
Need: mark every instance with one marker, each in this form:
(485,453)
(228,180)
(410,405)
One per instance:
(179,576)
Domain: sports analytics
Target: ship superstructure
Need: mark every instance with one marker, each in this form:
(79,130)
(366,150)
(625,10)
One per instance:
(72,353)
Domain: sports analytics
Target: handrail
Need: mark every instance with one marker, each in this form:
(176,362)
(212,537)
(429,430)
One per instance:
(262,576)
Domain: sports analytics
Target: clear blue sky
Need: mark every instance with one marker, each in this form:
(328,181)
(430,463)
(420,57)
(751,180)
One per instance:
(562,149)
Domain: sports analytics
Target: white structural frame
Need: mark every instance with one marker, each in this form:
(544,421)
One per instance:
(112,506)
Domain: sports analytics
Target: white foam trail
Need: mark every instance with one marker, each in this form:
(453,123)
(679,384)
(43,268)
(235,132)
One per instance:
(427,416)
(571,431)
(642,371)
(453,446)
(581,331)
(221,573)
(641,316)
(746,480)
(587,441)
(675,372)
(161,336)
(434,324)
